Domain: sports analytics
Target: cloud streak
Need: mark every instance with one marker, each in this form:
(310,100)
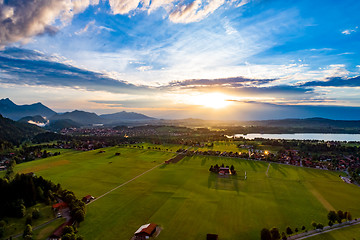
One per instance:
(25,67)
(335,82)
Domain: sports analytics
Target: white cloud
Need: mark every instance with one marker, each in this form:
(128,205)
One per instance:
(349,31)
(91,25)
(85,29)
(178,11)
(20,20)
(144,68)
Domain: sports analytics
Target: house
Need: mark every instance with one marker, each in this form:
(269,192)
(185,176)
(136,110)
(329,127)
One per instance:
(87,198)
(145,231)
(59,231)
(224,171)
(60,205)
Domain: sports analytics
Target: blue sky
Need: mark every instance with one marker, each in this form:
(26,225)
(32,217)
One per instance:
(214,59)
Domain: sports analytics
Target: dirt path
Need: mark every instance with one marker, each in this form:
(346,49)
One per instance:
(123,184)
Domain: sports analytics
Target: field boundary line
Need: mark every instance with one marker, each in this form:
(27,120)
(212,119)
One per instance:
(123,184)
(267,171)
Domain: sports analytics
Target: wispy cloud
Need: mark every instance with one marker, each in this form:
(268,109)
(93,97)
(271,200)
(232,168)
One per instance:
(335,82)
(94,28)
(33,68)
(349,31)
(223,82)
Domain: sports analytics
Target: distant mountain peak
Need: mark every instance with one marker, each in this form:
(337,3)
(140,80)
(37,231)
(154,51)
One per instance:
(15,112)
(7,101)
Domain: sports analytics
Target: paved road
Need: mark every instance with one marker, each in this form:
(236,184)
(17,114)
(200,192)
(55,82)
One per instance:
(34,228)
(322,232)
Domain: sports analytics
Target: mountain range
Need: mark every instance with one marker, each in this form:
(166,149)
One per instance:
(15,112)
(38,114)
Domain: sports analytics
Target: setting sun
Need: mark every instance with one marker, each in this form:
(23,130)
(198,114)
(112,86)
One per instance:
(211,100)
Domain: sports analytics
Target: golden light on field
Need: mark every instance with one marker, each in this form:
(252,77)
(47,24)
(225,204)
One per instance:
(211,100)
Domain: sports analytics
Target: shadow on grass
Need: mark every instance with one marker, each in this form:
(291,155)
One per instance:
(163,166)
(277,167)
(203,161)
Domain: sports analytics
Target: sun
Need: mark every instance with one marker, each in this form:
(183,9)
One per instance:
(211,100)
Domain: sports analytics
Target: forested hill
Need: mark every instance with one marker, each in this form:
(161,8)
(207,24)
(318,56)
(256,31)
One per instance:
(16,132)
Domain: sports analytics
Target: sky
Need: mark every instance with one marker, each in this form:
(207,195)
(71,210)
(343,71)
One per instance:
(209,59)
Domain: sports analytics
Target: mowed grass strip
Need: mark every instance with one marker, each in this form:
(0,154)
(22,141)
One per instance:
(189,202)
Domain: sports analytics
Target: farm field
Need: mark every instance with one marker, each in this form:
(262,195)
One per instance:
(93,172)
(348,233)
(189,202)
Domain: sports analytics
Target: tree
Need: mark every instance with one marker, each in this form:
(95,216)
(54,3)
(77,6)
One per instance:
(68,229)
(79,215)
(35,214)
(296,230)
(331,223)
(2,228)
(289,231)
(319,226)
(314,224)
(27,231)
(340,215)
(20,209)
(28,220)
(275,234)
(265,234)
(349,217)
(332,216)
(283,236)
(303,228)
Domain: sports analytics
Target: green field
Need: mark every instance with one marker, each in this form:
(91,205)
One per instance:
(16,226)
(189,202)
(348,233)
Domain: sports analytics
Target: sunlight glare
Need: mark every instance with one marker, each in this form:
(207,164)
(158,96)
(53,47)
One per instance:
(211,100)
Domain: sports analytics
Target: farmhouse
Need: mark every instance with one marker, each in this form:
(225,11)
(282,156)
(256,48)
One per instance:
(59,231)
(145,231)
(224,171)
(87,198)
(60,205)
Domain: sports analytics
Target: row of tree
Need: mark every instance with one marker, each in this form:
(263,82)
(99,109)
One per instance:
(274,233)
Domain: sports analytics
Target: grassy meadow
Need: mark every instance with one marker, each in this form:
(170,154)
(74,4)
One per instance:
(189,202)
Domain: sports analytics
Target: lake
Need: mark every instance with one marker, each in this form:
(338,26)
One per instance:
(304,136)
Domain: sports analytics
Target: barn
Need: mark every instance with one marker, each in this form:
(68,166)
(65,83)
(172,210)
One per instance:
(145,231)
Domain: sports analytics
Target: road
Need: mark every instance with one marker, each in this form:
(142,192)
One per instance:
(322,232)
(34,228)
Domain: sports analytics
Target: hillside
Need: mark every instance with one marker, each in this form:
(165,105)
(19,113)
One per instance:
(57,125)
(16,132)
(120,116)
(15,112)
(82,117)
